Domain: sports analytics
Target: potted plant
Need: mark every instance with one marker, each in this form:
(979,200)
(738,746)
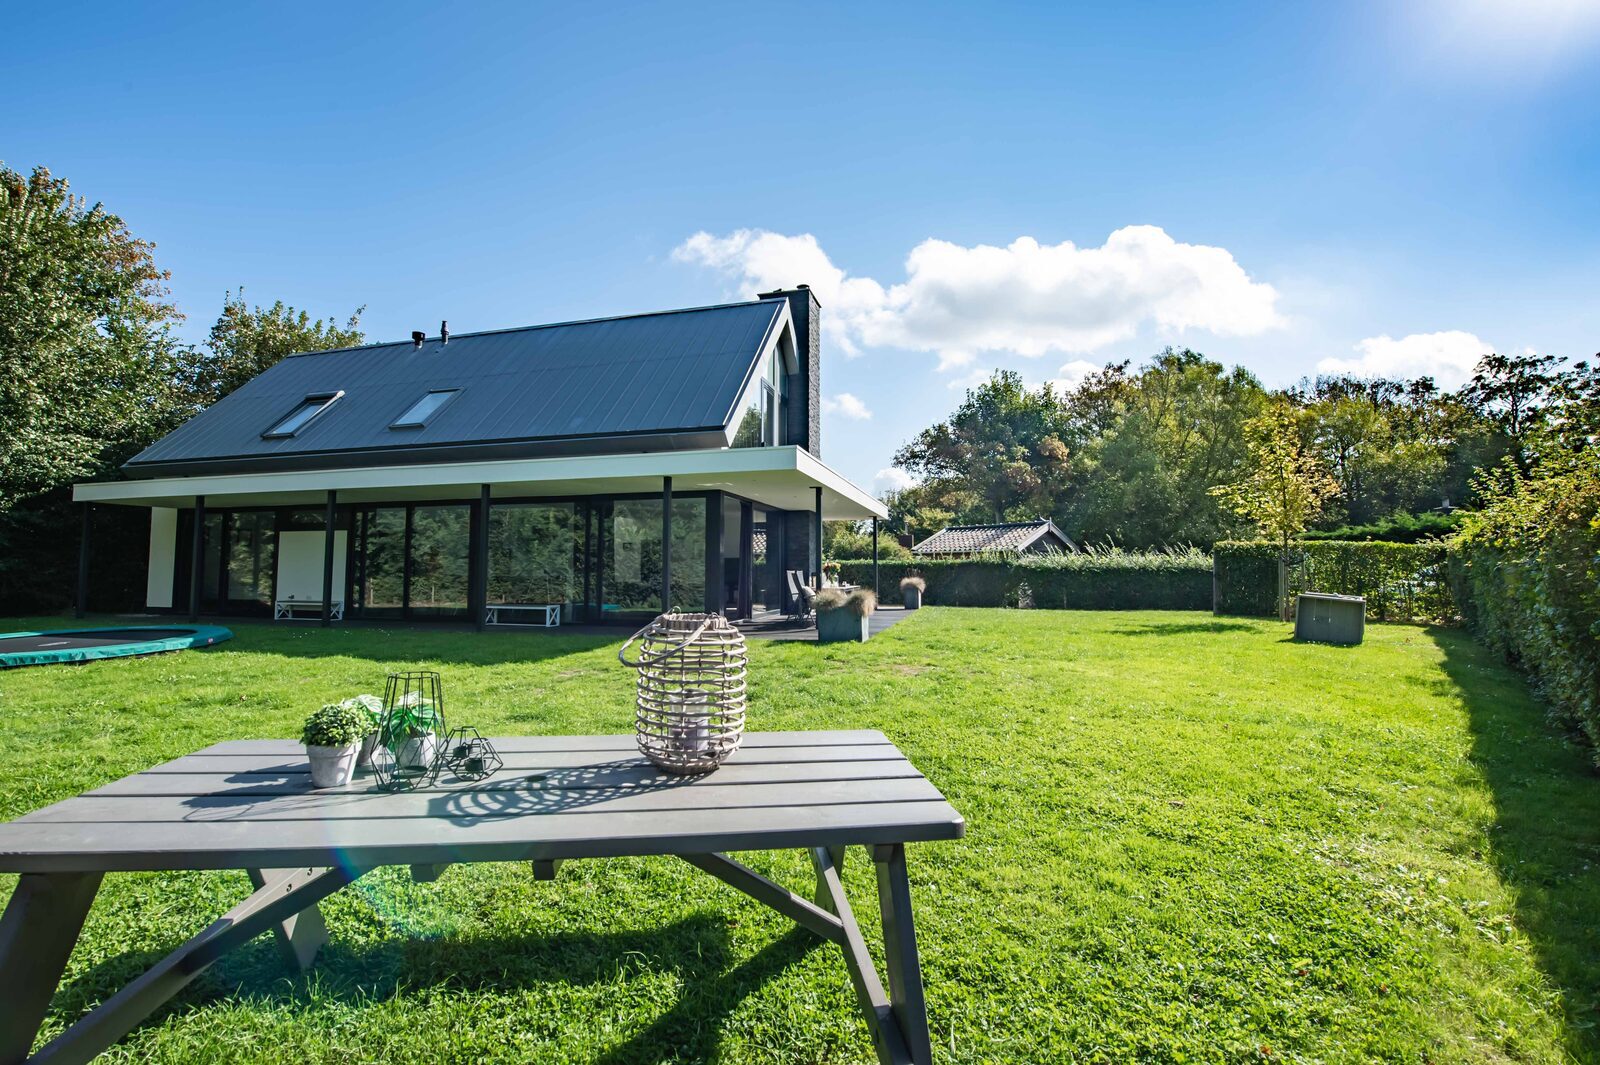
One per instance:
(372,706)
(843,615)
(830,573)
(332,737)
(412,732)
(912,588)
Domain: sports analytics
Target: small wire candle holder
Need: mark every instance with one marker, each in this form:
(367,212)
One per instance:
(470,756)
(411,732)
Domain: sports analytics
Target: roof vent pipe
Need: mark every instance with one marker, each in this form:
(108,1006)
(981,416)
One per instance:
(444,332)
(417,337)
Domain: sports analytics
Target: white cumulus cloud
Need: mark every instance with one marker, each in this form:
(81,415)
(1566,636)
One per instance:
(846,404)
(1447,357)
(890,479)
(1026,298)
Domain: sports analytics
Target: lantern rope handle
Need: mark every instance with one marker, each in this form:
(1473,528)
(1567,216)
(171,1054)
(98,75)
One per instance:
(648,659)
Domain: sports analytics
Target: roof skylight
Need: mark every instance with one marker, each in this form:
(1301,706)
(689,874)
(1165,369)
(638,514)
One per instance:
(423,409)
(301,416)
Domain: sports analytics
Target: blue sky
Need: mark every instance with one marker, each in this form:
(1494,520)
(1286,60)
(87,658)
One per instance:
(1374,186)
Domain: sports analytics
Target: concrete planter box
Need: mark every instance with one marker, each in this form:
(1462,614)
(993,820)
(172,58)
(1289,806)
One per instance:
(1321,618)
(913,598)
(332,767)
(838,626)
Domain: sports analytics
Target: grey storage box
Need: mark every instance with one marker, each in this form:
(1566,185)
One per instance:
(1323,618)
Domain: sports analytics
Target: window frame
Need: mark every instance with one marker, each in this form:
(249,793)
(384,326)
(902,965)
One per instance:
(324,400)
(450,396)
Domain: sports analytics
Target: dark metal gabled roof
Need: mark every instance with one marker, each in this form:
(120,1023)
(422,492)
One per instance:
(643,382)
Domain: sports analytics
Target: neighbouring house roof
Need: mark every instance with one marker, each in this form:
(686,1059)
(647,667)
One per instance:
(977,539)
(662,381)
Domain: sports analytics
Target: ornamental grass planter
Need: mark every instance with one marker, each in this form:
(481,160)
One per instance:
(841,626)
(332,767)
(911,588)
(843,616)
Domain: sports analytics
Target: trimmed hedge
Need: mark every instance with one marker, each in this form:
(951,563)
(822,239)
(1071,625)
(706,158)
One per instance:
(1401,582)
(1085,580)
(1527,571)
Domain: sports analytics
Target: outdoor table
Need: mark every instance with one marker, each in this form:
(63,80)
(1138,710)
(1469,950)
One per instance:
(249,804)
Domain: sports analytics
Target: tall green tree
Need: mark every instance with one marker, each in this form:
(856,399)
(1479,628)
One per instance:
(1151,444)
(247,340)
(1286,485)
(1516,393)
(1003,446)
(87,359)
(1381,440)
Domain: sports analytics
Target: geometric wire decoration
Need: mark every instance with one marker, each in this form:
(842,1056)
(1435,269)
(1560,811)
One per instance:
(410,750)
(691,691)
(469,755)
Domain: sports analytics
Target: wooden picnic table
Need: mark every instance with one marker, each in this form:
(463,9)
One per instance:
(249,804)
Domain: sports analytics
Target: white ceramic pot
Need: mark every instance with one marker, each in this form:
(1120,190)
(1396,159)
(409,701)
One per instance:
(418,752)
(364,756)
(913,598)
(332,767)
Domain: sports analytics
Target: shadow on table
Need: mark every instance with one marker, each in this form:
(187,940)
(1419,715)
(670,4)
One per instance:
(1545,840)
(695,949)
(517,793)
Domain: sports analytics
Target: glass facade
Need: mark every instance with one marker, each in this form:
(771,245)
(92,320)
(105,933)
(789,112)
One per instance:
(599,558)
(536,555)
(761,409)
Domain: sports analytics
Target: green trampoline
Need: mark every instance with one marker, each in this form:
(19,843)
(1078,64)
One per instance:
(86,645)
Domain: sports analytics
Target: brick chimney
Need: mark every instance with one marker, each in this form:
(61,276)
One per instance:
(804,388)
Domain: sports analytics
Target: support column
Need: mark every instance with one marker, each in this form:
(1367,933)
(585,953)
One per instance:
(816,547)
(666,545)
(327,559)
(83,562)
(478,561)
(715,598)
(197,557)
(747,529)
(874,558)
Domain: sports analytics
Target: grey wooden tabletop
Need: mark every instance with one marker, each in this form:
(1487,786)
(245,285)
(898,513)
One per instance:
(250,804)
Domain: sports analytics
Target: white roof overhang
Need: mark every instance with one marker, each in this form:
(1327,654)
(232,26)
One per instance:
(782,477)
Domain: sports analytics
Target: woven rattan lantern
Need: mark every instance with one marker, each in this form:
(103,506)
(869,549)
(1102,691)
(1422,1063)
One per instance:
(691,667)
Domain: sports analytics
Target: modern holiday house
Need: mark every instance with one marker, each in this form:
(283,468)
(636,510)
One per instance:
(587,471)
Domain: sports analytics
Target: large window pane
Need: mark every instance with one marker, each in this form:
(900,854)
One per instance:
(251,536)
(440,546)
(380,562)
(688,554)
(632,556)
(534,556)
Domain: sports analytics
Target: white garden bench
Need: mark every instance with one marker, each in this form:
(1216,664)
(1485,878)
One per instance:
(551,613)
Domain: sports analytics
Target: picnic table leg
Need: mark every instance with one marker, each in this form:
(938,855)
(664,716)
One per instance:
(269,907)
(299,935)
(37,933)
(876,1005)
(900,950)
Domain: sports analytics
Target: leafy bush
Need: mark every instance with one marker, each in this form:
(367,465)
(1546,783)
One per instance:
(1400,529)
(1401,582)
(1527,569)
(1096,579)
(336,725)
(1109,578)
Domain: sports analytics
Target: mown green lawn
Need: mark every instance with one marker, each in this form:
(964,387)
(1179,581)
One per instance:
(1189,839)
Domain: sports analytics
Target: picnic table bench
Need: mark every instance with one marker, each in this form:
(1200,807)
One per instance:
(249,804)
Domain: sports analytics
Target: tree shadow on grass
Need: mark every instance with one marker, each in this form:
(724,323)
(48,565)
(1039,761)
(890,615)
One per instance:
(695,949)
(1545,842)
(454,645)
(1184,628)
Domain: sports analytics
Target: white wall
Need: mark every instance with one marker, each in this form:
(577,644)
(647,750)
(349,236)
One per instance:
(300,564)
(163,557)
